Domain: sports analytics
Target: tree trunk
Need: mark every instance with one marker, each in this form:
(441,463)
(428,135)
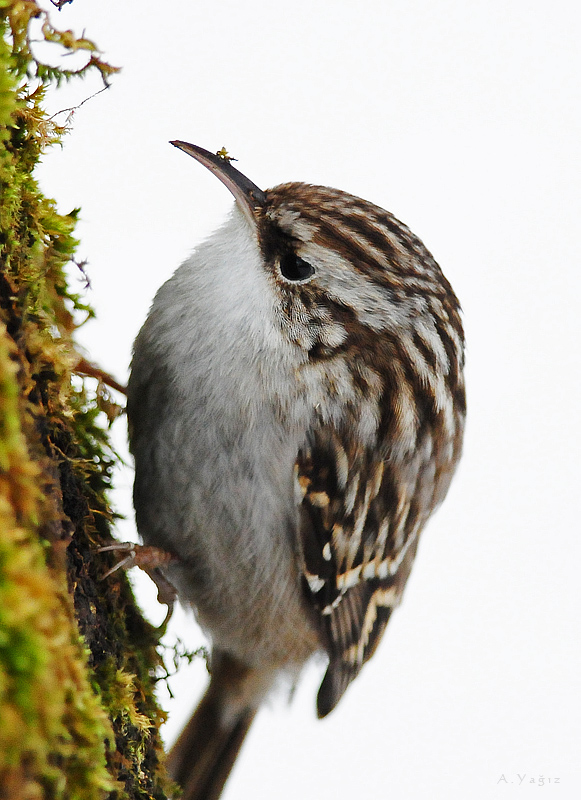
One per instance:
(77,714)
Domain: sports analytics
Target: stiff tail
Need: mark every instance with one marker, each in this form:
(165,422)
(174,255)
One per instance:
(204,754)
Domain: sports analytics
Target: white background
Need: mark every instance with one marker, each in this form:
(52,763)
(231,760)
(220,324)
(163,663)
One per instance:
(462,118)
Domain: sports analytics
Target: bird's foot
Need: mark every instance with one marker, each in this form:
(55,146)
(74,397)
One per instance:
(150,560)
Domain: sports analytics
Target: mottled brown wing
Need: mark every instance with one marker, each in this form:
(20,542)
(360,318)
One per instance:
(360,520)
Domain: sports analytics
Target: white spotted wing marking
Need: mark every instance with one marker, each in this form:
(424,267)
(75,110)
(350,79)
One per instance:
(359,536)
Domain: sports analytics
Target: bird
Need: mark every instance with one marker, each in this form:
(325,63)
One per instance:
(296,410)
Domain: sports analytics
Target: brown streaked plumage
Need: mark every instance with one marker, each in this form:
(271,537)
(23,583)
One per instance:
(359,536)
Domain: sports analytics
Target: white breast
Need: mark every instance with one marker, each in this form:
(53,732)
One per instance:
(217,426)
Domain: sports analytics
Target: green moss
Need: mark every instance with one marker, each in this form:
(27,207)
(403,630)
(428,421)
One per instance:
(79,719)
(46,703)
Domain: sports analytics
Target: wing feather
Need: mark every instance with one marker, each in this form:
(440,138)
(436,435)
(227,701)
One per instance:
(359,528)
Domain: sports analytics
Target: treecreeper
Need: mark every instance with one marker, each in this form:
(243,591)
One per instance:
(296,408)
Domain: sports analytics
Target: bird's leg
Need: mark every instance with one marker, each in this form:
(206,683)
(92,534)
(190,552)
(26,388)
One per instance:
(150,560)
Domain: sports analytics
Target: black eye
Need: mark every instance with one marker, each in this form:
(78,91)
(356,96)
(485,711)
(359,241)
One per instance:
(294,268)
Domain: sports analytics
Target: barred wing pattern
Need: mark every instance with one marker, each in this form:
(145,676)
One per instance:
(359,540)
(361,514)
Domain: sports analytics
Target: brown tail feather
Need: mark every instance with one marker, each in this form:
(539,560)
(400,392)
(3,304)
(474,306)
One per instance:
(204,754)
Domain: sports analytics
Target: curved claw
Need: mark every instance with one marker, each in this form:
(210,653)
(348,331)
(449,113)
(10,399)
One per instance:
(150,560)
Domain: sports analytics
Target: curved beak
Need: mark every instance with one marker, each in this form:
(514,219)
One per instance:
(248,196)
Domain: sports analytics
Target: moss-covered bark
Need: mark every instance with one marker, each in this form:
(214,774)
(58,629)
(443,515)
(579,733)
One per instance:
(77,714)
